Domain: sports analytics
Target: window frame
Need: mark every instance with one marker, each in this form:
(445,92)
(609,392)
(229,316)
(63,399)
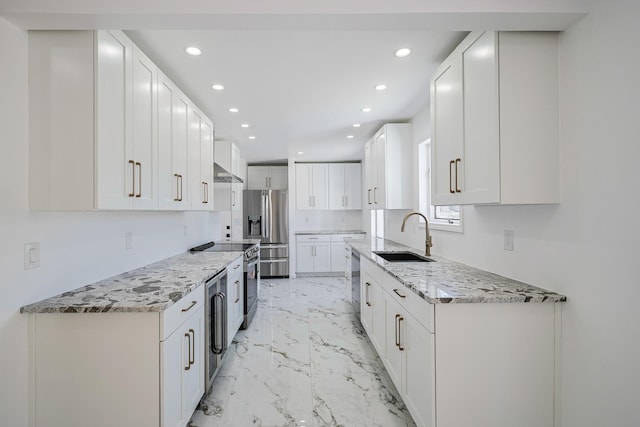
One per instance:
(424,194)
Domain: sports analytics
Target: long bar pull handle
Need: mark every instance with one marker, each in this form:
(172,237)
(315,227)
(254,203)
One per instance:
(139,179)
(204,192)
(397,323)
(400,347)
(186,368)
(451,190)
(217,322)
(366,299)
(375,199)
(180,188)
(224,322)
(237,292)
(177,177)
(458,190)
(398,293)
(233,198)
(133,178)
(192,350)
(369,196)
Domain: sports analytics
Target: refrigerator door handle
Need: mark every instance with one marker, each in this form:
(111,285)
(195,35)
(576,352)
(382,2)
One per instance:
(268,218)
(263,204)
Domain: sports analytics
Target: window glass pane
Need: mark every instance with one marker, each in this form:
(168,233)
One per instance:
(447,212)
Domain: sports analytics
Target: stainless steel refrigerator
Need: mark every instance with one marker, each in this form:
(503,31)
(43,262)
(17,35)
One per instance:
(266,216)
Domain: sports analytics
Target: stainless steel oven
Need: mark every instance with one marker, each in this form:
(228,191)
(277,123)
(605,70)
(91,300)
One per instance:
(215,325)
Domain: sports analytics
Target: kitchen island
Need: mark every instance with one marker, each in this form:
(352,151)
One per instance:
(127,350)
(464,347)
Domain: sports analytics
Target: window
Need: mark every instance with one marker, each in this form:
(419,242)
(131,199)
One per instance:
(377,223)
(440,217)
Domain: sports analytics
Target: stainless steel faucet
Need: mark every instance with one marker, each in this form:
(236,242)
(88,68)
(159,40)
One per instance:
(427,242)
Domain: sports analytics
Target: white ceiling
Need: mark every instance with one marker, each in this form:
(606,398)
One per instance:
(301,90)
(299,72)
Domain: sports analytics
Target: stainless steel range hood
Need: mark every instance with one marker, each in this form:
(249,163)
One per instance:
(221,175)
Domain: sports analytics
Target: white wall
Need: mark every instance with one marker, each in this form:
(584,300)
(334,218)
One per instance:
(76,248)
(587,246)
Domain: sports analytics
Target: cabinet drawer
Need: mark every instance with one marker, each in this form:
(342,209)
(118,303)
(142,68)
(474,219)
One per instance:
(416,306)
(175,315)
(302,238)
(341,237)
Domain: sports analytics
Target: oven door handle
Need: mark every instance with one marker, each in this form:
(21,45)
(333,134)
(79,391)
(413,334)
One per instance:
(273,261)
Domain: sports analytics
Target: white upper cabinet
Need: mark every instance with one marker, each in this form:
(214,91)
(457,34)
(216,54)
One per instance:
(494,106)
(267,177)
(200,160)
(345,186)
(388,166)
(173,136)
(312,186)
(107,130)
(228,157)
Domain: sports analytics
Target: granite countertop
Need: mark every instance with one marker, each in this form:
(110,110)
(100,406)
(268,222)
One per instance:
(152,288)
(446,281)
(330,232)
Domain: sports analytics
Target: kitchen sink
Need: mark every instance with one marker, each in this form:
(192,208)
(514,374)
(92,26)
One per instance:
(402,257)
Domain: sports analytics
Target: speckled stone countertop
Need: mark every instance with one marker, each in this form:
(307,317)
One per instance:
(154,287)
(446,281)
(304,232)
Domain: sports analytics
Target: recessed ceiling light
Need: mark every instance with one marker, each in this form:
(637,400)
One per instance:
(350,136)
(380,87)
(193,51)
(366,110)
(217,86)
(300,152)
(244,125)
(356,125)
(252,137)
(233,110)
(402,52)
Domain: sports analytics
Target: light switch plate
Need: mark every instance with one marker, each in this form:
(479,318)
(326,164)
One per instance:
(31,255)
(508,240)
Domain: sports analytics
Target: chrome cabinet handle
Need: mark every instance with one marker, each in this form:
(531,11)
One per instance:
(192,350)
(398,293)
(369,196)
(237,292)
(180,176)
(186,368)
(451,190)
(205,192)
(458,190)
(133,178)
(366,299)
(396,331)
(190,307)
(375,199)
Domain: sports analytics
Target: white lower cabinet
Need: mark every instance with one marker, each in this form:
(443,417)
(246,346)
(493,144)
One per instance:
(235,298)
(484,365)
(182,375)
(118,368)
(313,253)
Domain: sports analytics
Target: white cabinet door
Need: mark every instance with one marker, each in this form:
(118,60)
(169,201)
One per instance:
(336,186)
(236,197)
(206,162)
(447,140)
(365,302)
(320,185)
(115,165)
(322,257)
(376,299)
(193,378)
(172,146)
(418,368)
(144,130)
(278,177)
(368,173)
(257,177)
(200,161)
(234,298)
(304,189)
(352,186)
(174,362)
(394,324)
(379,188)
(479,171)
(304,257)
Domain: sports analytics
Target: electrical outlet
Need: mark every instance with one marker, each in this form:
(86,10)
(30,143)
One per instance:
(508,240)
(128,240)
(31,255)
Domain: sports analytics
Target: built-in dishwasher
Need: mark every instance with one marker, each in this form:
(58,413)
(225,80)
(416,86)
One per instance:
(355,282)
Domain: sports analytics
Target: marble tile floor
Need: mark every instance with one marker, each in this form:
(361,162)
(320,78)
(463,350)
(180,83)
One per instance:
(304,361)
